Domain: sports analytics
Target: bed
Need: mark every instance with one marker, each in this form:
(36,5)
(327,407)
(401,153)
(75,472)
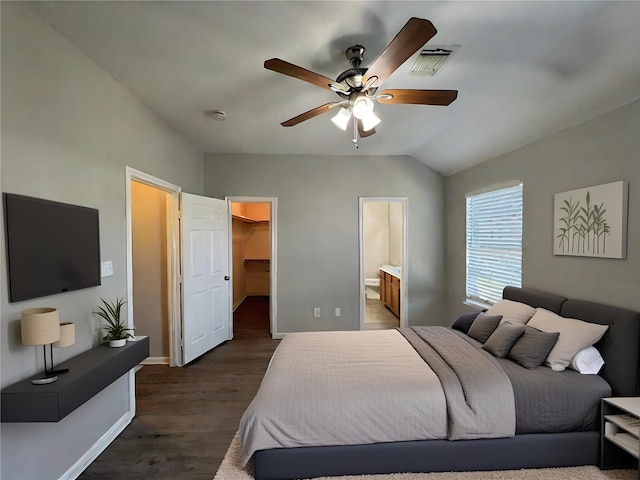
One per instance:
(300,427)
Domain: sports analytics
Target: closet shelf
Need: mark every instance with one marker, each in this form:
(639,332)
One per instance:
(256,260)
(247,219)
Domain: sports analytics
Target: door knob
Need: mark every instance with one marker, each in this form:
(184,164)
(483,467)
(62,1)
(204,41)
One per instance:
(226,277)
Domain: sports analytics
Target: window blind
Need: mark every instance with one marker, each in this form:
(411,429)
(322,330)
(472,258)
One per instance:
(494,243)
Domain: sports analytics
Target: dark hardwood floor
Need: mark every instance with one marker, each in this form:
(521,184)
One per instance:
(186,417)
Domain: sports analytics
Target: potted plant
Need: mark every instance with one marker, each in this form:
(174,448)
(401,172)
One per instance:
(116,329)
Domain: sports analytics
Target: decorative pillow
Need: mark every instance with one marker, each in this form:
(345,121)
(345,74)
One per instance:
(483,326)
(532,348)
(587,361)
(575,335)
(514,312)
(464,322)
(503,338)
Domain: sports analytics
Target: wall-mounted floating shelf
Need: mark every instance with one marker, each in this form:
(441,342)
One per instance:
(89,373)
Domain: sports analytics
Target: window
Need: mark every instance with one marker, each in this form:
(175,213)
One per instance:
(494,243)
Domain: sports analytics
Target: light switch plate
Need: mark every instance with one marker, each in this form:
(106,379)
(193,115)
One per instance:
(106,268)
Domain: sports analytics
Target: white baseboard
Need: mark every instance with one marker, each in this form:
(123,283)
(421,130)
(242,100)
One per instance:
(155,361)
(237,304)
(98,447)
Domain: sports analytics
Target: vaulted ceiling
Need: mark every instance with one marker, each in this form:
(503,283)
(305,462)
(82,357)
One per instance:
(523,70)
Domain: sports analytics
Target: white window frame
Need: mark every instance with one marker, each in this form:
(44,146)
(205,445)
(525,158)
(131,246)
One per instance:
(493,243)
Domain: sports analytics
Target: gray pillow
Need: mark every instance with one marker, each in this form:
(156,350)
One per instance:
(503,338)
(483,326)
(533,347)
(575,335)
(463,322)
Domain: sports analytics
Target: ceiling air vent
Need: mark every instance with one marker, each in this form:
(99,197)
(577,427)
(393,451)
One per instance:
(431,60)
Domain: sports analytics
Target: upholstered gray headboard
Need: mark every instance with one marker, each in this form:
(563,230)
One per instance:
(535,298)
(619,347)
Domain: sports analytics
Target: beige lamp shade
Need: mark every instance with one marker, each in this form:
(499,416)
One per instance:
(40,326)
(67,335)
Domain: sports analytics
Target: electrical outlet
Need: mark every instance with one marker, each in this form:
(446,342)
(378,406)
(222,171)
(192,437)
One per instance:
(338,312)
(316,312)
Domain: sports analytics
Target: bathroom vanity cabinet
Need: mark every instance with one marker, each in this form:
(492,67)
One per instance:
(390,291)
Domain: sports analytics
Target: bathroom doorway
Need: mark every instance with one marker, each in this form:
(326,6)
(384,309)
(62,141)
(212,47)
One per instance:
(383,279)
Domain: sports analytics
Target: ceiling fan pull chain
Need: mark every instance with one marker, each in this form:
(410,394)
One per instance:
(355,132)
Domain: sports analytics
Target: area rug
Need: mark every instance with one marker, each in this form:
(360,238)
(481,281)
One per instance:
(230,470)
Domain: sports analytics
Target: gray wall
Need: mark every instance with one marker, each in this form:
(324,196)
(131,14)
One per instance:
(317,225)
(599,151)
(68,130)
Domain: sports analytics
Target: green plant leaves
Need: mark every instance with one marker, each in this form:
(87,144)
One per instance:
(111,312)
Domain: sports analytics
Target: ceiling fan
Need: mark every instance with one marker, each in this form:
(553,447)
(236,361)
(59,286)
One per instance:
(358,87)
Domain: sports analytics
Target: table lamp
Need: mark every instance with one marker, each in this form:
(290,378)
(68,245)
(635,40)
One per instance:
(40,326)
(67,338)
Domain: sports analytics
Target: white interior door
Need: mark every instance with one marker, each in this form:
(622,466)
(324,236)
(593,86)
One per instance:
(205,246)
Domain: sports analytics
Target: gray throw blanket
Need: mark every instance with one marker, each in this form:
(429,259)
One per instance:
(479,394)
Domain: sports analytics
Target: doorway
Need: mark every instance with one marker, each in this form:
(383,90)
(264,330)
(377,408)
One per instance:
(383,262)
(153,264)
(253,257)
(194,293)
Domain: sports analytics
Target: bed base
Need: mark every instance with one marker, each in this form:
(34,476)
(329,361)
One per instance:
(521,451)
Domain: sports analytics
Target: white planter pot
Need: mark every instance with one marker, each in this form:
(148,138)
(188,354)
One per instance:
(118,343)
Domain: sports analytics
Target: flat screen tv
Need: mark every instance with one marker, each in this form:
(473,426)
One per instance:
(52,247)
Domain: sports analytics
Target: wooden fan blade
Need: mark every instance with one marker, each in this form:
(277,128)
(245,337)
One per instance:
(418,97)
(294,71)
(415,33)
(364,133)
(310,114)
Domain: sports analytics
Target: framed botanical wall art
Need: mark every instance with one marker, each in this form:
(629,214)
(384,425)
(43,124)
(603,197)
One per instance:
(591,221)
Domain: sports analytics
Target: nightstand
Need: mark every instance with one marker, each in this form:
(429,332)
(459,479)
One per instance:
(620,433)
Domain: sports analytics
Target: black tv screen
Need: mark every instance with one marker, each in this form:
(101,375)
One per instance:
(52,247)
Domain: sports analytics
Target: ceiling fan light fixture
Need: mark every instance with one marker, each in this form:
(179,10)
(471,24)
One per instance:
(339,88)
(355,81)
(341,119)
(362,107)
(370,121)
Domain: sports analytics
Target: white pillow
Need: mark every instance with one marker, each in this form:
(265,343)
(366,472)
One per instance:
(575,335)
(514,312)
(587,361)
